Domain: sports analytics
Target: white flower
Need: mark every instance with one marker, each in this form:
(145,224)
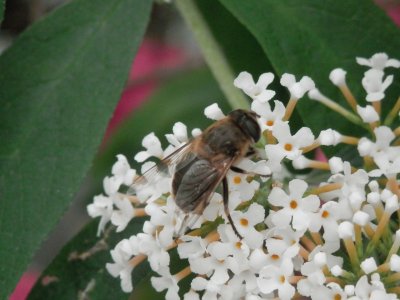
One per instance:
(238,182)
(288,146)
(245,222)
(257,91)
(111,185)
(213,112)
(155,249)
(296,209)
(122,170)
(153,148)
(178,137)
(217,263)
(375,85)
(327,217)
(338,76)
(166,282)
(329,137)
(297,89)
(368,265)
(368,114)
(378,61)
(102,206)
(191,247)
(268,116)
(123,215)
(211,289)
(384,136)
(122,254)
(273,278)
(335,165)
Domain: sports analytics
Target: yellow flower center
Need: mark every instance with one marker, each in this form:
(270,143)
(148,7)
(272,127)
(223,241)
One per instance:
(288,147)
(244,222)
(237,180)
(293,204)
(325,214)
(275,256)
(269,123)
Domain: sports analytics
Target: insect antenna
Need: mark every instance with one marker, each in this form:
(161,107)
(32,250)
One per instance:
(225,195)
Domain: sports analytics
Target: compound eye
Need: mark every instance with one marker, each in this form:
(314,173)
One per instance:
(253,129)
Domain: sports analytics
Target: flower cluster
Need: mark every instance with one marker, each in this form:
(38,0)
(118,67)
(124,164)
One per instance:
(338,238)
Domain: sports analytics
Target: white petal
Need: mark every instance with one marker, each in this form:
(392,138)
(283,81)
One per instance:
(213,112)
(287,80)
(297,188)
(244,80)
(265,79)
(338,76)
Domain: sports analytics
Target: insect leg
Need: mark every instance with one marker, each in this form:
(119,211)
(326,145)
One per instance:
(241,171)
(225,195)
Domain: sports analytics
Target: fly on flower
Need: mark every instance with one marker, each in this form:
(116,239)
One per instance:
(199,166)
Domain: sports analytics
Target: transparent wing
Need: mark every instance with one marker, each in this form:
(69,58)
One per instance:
(199,182)
(156,181)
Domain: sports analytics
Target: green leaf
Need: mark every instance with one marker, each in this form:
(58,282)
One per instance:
(2,5)
(182,98)
(60,82)
(313,37)
(81,263)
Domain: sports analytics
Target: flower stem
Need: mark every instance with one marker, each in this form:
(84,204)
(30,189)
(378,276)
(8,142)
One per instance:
(348,95)
(183,273)
(137,260)
(352,252)
(378,232)
(290,108)
(212,53)
(393,113)
(326,188)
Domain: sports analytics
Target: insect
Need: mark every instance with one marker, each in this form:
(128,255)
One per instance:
(202,164)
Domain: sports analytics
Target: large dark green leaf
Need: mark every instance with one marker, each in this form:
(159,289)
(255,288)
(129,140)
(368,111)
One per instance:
(68,275)
(181,99)
(2,4)
(59,83)
(313,37)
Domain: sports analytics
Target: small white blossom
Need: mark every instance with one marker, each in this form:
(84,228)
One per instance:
(123,215)
(297,89)
(102,206)
(379,61)
(213,112)
(153,148)
(368,114)
(368,265)
(245,222)
(257,91)
(178,137)
(277,278)
(375,85)
(329,137)
(122,170)
(288,145)
(268,116)
(295,208)
(338,76)
(122,254)
(166,282)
